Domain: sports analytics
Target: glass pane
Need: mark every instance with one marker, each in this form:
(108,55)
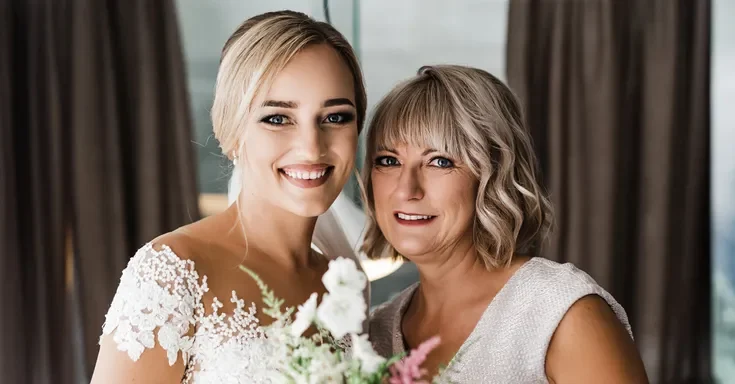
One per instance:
(723,188)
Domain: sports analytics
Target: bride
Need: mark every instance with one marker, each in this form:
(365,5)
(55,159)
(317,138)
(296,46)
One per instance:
(289,104)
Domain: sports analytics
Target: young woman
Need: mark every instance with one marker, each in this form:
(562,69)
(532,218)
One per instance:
(289,104)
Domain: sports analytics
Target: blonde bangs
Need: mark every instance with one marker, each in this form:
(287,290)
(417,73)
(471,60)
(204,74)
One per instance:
(419,113)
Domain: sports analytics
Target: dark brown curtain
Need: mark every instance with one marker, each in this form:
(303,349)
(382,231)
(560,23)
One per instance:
(617,94)
(95,160)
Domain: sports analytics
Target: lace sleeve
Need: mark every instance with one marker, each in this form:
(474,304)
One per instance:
(157,298)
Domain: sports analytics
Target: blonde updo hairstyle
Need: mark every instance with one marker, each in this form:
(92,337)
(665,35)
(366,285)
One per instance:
(252,58)
(476,119)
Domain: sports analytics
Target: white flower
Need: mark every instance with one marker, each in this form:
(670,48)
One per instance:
(363,352)
(305,316)
(325,368)
(312,364)
(343,275)
(342,312)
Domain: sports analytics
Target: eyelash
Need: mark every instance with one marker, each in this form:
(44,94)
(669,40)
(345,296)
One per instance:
(267,120)
(380,159)
(450,165)
(345,117)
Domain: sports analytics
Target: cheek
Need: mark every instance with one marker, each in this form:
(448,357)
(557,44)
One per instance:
(460,193)
(343,143)
(262,149)
(380,184)
(342,150)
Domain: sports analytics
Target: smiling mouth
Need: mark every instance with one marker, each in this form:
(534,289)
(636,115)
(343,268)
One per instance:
(306,175)
(413,219)
(307,178)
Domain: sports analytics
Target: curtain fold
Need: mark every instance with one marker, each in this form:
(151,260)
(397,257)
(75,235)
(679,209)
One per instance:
(617,95)
(96,154)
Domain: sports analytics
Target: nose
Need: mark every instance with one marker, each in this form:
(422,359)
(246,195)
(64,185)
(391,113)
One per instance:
(312,142)
(410,184)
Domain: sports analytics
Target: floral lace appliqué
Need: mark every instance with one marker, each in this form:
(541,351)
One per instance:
(159,299)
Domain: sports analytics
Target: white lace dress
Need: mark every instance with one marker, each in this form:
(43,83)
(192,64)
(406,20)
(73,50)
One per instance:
(159,300)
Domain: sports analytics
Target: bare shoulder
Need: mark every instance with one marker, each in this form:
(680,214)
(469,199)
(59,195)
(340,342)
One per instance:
(592,345)
(181,244)
(207,242)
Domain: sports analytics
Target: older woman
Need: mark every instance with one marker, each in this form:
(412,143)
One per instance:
(451,182)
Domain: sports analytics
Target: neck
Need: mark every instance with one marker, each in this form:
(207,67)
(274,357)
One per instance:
(445,275)
(282,235)
(456,277)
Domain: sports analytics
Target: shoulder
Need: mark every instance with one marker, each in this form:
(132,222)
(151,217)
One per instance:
(576,320)
(168,259)
(554,288)
(149,326)
(535,300)
(546,273)
(591,336)
(157,298)
(173,244)
(179,244)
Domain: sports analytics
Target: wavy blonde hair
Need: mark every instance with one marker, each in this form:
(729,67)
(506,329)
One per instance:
(474,117)
(255,54)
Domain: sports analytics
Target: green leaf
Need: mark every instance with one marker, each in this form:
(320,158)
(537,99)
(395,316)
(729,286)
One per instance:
(272,303)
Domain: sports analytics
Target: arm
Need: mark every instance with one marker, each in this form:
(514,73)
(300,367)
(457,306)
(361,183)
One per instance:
(114,366)
(148,328)
(590,345)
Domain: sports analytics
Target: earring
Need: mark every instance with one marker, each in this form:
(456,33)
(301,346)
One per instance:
(234,158)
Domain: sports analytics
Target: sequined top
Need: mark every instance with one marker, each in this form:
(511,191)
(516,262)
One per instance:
(159,301)
(509,342)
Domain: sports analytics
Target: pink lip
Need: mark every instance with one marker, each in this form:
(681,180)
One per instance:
(305,167)
(411,214)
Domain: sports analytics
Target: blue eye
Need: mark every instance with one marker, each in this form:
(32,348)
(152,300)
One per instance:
(441,162)
(386,161)
(275,120)
(339,118)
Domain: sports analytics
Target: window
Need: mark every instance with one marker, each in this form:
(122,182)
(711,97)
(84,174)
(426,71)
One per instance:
(723,190)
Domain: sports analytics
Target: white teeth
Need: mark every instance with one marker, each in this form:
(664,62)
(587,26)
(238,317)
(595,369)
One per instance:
(306,175)
(404,216)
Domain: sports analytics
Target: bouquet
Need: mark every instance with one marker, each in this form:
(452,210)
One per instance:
(337,352)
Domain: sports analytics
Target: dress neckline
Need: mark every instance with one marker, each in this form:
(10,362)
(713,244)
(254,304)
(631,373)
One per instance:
(399,344)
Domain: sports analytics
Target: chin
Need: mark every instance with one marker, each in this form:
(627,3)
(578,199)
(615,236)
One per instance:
(309,203)
(411,248)
(309,209)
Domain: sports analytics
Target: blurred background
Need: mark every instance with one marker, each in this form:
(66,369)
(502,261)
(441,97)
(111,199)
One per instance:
(106,142)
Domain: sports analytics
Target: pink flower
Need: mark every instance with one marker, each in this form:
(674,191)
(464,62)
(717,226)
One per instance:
(408,370)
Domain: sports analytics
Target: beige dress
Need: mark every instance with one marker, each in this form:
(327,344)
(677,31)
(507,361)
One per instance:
(509,343)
